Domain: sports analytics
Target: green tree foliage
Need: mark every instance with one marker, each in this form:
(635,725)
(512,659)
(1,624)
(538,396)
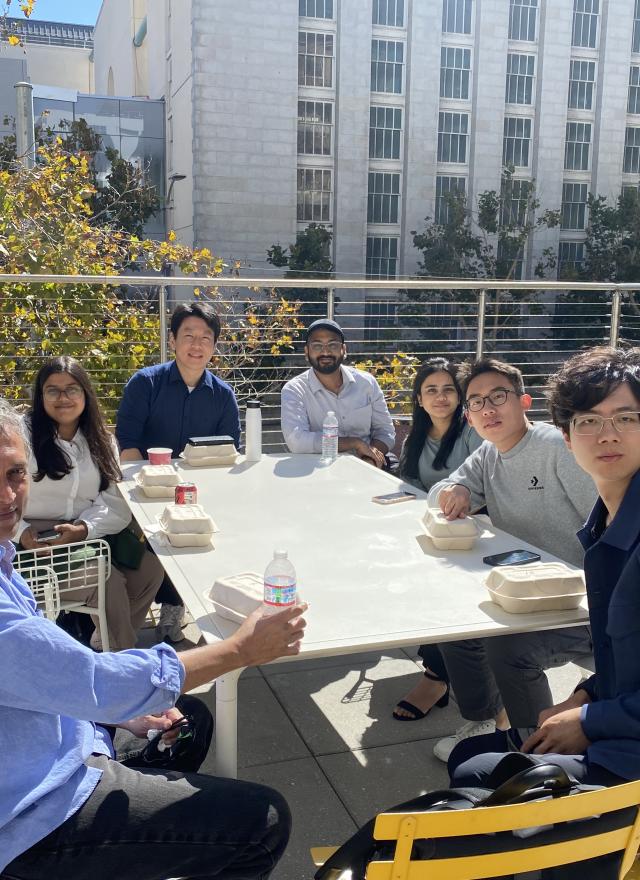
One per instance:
(491,244)
(308,257)
(46,227)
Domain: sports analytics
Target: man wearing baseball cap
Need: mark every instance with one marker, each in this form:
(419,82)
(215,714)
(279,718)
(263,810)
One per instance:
(364,424)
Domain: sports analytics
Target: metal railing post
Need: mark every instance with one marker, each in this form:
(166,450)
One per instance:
(482,305)
(331,303)
(616,311)
(162,310)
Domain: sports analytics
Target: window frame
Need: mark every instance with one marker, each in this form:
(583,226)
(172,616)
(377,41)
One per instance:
(383,198)
(585,24)
(380,257)
(531,7)
(308,127)
(452,137)
(573,211)
(459,81)
(520,84)
(457,12)
(521,140)
(575,147)
(584,88)
(386,70)
(390,136)
(323,67)
(319,206)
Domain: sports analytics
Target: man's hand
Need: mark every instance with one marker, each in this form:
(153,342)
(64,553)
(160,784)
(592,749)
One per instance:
(264,637)
(143,723)
(561,734)
(455,501)
(577,699)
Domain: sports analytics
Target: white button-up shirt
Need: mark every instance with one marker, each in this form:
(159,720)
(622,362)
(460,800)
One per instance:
(359,406)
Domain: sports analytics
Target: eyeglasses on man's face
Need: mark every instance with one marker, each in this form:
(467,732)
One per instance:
(71,392)
(624,423)
(498,397)
(318,347)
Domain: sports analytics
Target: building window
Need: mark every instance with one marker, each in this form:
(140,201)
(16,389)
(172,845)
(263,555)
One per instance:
(385,126)
(631,164)
(446,189)
(314,195)
(574,206)
(315,59)
(522,20)
(455,70)
(388,12)
(516,141)
(510,260)
(387,57)
(384,197)
(635,42)
(379,316)
(582,76)
(585,23)
(576,151)
(315,120)
(316,8)
(382,257)
(453,135)
(633,102)
(520,72)
(456,16)
(514,197)
(570,258)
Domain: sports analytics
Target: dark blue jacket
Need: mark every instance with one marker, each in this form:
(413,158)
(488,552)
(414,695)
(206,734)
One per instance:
(157,409)
(612,572)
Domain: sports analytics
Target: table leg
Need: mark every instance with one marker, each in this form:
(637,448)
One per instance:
(227,724)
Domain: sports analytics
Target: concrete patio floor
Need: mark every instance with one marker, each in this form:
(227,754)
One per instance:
(321,732)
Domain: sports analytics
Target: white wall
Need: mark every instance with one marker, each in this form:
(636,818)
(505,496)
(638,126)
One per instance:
(62,66)
(113,48)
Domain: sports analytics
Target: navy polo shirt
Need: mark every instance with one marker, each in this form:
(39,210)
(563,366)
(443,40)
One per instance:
(612,572)
(157,409)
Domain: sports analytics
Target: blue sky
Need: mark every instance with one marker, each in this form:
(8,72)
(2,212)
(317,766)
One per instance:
(76,11)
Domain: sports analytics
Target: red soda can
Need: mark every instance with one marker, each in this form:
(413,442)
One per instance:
(186,493)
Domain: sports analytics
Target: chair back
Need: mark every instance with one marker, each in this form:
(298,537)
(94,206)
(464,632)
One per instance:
(43,583)
(595,838)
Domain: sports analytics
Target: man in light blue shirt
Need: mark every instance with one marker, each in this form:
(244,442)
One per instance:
(67,809)
(364,424)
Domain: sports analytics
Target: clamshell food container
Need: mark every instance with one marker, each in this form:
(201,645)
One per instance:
(187,525)
(189,539)
(457,534)
(541,586)
(235,597)
(159,475)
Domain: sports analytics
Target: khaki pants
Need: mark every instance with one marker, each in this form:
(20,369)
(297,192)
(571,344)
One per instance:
(128,593)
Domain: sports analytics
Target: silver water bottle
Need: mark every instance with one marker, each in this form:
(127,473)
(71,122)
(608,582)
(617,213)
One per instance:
(253,431)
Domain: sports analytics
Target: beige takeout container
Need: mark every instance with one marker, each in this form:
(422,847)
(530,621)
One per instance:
(190,539)
(223,450)
(235,597)
(163,475)
(457,534)
(186,519)
(541,586)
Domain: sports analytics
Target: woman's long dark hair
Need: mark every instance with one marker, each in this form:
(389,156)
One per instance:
(421,421)
(52,460)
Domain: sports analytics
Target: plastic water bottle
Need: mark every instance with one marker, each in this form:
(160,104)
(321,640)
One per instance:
(329,438)
(253,431)
(279,583)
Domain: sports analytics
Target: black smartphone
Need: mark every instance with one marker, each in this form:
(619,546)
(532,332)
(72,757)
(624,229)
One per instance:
(512,557)
(47,535)
(213,440)
(394,497)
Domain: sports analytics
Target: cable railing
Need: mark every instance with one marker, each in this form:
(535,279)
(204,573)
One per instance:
(532,324)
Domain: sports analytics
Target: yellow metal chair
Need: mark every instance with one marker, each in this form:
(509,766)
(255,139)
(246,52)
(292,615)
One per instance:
(405,828)
(81,570)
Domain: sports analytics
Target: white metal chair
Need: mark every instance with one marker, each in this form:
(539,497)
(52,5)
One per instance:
(43,583)
(81,570)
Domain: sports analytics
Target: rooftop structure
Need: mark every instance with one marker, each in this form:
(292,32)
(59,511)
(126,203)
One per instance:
(54,33)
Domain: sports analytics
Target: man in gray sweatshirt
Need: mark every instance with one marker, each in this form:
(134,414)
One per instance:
(533,489)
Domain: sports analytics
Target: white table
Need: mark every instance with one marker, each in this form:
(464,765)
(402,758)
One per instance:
(371,576)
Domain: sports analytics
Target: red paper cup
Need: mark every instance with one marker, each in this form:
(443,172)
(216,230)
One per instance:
(159,455)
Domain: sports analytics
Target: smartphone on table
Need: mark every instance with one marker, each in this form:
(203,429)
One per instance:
(512,557)
(47,535)
(394,497)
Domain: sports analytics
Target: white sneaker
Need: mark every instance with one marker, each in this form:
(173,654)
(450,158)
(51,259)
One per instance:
(171,621)
(444,747)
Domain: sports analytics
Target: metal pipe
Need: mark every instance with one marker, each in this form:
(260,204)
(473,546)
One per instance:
(162,311)
(616,311)
(141,33)
(25,132)
(482,306)
(331,303)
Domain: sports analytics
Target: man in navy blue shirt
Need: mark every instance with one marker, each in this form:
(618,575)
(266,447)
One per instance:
(166,404)
(595,733)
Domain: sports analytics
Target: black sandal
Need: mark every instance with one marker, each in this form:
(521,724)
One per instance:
(416,713)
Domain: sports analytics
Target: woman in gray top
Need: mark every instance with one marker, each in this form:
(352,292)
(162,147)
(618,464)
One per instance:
(438,442)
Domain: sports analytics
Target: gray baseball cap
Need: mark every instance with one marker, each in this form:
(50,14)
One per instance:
(324,324)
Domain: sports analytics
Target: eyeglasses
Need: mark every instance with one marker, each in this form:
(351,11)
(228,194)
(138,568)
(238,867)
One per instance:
(331,347)
(497,398)
(624,423)
(71,392)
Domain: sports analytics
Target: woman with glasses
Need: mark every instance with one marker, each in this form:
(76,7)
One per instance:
(439,440)
(74,465)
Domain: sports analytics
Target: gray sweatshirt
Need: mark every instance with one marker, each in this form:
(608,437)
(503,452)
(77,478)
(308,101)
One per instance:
(535,491)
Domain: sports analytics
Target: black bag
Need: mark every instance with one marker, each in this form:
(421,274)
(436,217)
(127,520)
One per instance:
(516,779)
(127,548)
(190,749)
